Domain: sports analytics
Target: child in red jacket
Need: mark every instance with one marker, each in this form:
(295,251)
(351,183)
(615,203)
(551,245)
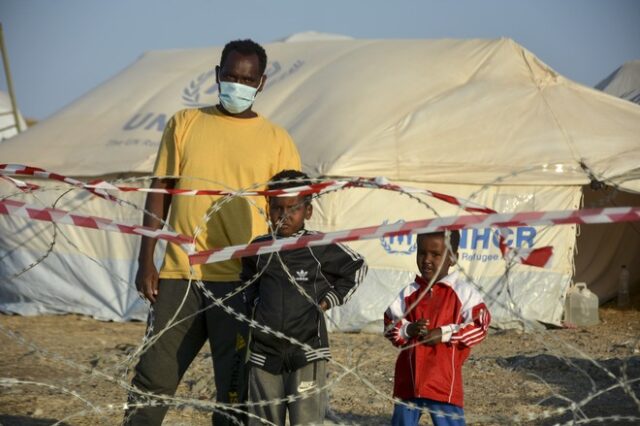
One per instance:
(435,320)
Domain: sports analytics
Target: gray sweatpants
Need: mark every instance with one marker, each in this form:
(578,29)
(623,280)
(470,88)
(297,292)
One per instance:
(306,381)
(162,366)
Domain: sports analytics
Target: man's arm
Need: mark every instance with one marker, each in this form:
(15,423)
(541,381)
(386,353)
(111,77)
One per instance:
(158,206)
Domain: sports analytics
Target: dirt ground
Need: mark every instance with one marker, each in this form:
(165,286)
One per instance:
(67,369)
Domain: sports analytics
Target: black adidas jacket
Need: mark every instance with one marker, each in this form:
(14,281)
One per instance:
(330,273)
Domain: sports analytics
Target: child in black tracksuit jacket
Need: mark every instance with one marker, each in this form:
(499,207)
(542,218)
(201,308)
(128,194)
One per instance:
(291,291)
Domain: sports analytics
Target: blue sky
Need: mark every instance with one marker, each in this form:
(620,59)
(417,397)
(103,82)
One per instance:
(61,49)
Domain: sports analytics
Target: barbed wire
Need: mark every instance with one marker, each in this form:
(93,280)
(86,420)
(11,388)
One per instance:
(122,369)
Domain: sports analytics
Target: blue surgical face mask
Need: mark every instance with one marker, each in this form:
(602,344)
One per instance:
(236,97)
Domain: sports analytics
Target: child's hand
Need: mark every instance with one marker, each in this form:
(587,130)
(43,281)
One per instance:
(432,337)
(324,305)
(417,328)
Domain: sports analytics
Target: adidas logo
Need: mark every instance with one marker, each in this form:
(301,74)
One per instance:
(301,275)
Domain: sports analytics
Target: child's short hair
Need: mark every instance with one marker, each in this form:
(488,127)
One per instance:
(290,179)
(454,238)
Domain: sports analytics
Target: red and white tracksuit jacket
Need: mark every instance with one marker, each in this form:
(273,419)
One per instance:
(435,372)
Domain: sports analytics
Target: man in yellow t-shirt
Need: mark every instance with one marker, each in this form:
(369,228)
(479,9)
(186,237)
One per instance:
(227,146)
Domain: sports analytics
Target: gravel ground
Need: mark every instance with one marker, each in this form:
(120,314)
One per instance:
(67,368)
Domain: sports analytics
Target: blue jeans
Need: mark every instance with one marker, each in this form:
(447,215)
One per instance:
(442,414)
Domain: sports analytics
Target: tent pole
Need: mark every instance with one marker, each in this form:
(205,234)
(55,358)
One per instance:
(7,74)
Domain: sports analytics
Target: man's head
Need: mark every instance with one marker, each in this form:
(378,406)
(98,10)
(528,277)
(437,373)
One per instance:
(246,47)
(432,252)
(240,75)
(287,214)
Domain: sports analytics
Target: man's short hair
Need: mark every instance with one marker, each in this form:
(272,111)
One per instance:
(290,179)
(245,47)
(454,238)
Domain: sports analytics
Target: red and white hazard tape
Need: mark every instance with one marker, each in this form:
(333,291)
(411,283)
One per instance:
(18,208)
(298,190)
(587,216)
(21,185)
(19,169)
(536,257)
(314,188)
(539,257)
(100,187)
(383,183)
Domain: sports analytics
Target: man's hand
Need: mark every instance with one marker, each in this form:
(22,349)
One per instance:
(324,305)
(147,281)
(417,328)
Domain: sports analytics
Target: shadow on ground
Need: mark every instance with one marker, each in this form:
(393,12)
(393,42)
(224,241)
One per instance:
(6,420)
(598,387)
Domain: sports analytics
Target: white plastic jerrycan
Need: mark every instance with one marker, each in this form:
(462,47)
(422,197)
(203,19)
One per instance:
(581,306)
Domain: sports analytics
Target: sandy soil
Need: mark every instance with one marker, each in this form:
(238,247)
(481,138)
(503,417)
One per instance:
(67,368)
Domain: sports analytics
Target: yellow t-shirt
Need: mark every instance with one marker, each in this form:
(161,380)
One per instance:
(210,150)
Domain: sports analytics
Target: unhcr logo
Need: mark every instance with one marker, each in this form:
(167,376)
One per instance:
(201,90)
(483,239)
(191,93)
(398,244)
(482,245)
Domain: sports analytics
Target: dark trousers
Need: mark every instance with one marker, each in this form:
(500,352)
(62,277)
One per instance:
(305,385)
(162,366)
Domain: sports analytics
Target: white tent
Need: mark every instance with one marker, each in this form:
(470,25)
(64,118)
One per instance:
(601,273)
(623,82)
(8,126)
(481,119)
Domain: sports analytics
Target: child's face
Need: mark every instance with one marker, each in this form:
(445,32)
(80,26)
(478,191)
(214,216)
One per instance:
(431,253)
(288,214)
